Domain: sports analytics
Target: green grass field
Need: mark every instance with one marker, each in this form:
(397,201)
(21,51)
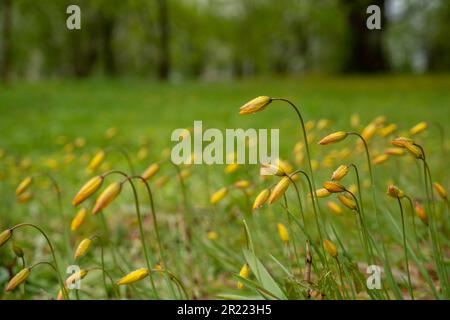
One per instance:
(41,122)
(33,115)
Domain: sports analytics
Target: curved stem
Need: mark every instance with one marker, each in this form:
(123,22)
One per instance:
(46,263)
(141,231)
(427,168)
(372,183)
(298,199)
(176,280)
(57,189)
(40,263)
(427,177)
(305,139)
(314,203)
(141,228)
(358,181)
(106,274)
(364,231)
(52,250)
(155,225)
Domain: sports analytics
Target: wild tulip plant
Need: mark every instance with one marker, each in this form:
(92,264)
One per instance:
(310,230)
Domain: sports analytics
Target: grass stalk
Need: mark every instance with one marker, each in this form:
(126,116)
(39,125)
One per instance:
(386,262)
(410,288)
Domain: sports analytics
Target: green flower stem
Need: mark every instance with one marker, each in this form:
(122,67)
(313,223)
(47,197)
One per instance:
(156,227)
(413,223)
(439,261)
(298,199)
(344,290)
(66,220)
(305,139)
(52,250)
(110,241)
(54,269)
(113,283)
(358,182)
(361,208)
(141,231)
(23,266)
(102,263)
(372,293)
(140,224)
(364,231)
(175,279)
(312,192)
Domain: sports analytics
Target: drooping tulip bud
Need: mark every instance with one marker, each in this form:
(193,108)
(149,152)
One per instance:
(88,189)
(333,187)
(255,105)
(330,248)
(334,137)
(18,279)
(279,190)
(107,196)
(133,277)
(261,199)
(283,233)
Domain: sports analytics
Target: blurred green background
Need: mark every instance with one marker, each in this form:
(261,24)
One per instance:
(148,67)
(221,39)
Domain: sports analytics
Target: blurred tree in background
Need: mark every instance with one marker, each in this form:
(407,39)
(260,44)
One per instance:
(366,52)
(6,25)
(216,39)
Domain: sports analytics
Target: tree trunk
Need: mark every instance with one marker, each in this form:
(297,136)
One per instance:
(85,49)
(5,66)
(164,39)
(109,62)
(438,45)
(366,47)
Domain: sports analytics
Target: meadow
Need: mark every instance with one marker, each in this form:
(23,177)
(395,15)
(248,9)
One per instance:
(208,232)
